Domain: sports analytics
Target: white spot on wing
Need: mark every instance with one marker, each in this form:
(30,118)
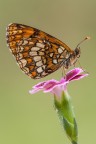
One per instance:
(60,50)
(67,56)
(25,69)
(44,61)
(44,74)
(58,56)
(44,66)
(32,53)
(19,56)
(22,62)
(30,42)
(40,45)
(21,48)
(51,54)
(25,42)
(60,59)
(39,70)
(14,32)
(39,63)
(37,58)
(55,61)
(35,49)
(41,53)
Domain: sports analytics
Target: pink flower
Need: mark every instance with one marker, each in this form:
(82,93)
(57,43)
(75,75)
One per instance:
(56,87)
(62,101)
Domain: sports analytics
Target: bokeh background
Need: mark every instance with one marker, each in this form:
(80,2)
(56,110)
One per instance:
(31,119)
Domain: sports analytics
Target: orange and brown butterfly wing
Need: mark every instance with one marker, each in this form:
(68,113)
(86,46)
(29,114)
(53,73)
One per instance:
(37,53)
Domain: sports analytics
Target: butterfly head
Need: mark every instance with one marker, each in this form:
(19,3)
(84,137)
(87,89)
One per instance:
(77,52)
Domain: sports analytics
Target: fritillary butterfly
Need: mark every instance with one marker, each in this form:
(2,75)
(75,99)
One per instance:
(38,53)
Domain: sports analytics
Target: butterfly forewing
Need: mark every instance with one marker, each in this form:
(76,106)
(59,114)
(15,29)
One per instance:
(37,53)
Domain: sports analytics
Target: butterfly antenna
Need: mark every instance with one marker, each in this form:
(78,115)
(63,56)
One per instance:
(86,38)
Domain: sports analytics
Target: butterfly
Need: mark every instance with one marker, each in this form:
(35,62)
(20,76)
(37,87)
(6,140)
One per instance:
(38,53)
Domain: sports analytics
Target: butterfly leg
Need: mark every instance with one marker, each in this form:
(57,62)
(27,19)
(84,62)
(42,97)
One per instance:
(78,63)
(63,71)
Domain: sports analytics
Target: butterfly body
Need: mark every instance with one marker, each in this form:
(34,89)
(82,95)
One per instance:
(38,53)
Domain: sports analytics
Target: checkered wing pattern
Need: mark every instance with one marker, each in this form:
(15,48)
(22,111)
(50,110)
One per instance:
(37,53)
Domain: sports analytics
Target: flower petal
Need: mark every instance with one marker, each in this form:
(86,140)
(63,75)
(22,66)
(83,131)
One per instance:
(78,77)
(73,73)
(56,87)
(34,91)
(57,91)
(46,86)
(39,85)
(50,84)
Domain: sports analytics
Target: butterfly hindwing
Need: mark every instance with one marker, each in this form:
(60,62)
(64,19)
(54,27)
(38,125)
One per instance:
(37,53)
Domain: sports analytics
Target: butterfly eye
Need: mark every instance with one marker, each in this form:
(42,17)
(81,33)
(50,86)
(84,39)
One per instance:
(78,56)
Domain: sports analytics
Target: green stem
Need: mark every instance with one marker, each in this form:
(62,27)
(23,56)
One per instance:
(65,111)
(73,142)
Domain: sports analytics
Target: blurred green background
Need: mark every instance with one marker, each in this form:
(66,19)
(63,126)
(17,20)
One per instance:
(31,119)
